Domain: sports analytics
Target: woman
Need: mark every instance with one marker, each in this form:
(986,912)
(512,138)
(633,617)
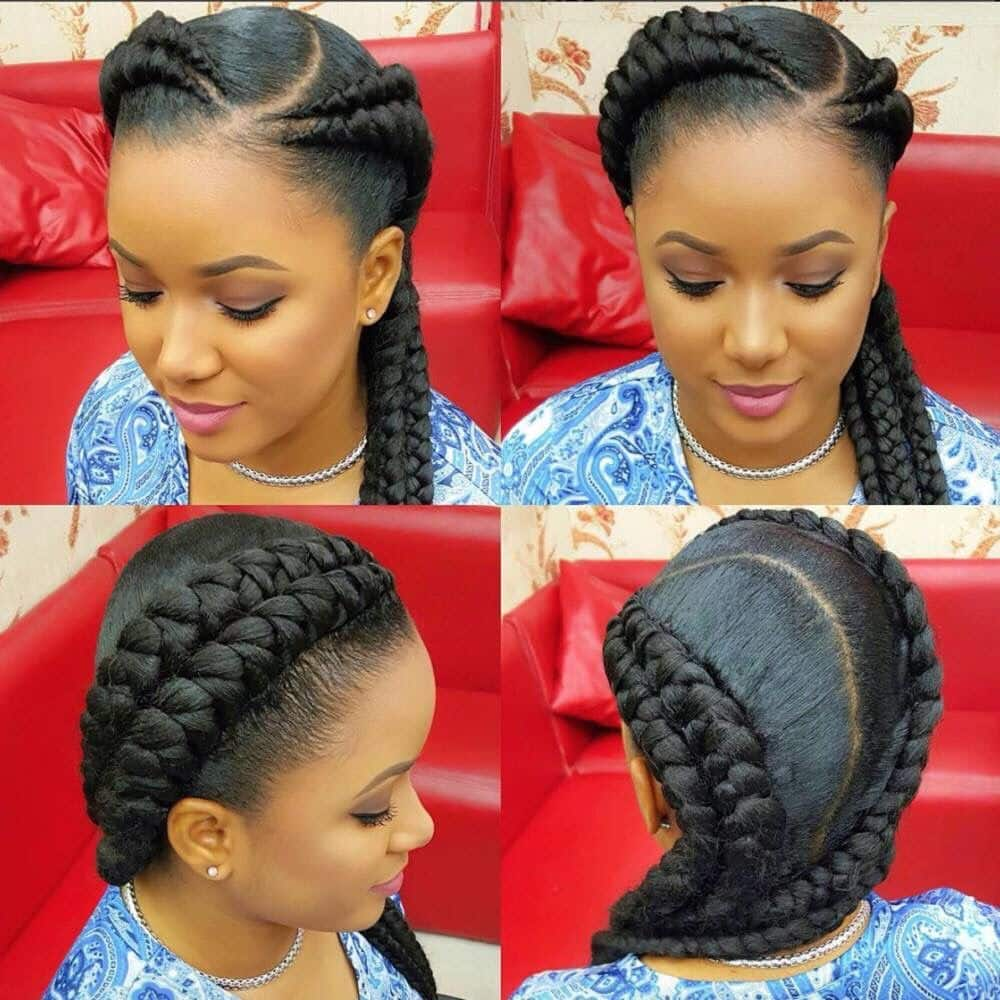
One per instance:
(752,150)
(261,696)
(772,750)
(265,179)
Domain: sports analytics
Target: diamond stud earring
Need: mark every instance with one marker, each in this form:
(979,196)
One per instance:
(213,872)
(664,824)
(370,314)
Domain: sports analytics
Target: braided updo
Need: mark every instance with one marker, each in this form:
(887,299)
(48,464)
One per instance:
(687,70)
(311,100)
(788,733)
(230,647)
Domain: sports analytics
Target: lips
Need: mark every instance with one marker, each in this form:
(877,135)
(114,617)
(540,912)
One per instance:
(202,418)
(391,887)
(758,400)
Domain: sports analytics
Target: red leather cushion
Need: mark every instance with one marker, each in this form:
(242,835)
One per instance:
(588,604)
(564,213)
(52,179)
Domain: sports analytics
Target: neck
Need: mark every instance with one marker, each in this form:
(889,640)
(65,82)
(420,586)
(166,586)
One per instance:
(201,923)
(765,454)
(709,970)
(328,434)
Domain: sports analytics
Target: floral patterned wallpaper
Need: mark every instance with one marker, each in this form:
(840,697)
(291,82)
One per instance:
(42,547)
(36,32)
(556,56)
(534,539)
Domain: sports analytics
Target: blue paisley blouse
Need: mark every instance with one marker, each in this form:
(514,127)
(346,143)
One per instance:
(935,945)
(115,959)
(125,446)
(612,439)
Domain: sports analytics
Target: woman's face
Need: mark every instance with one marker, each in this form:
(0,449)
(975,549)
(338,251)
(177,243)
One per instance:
(760,255)
(326,849)
(243,296)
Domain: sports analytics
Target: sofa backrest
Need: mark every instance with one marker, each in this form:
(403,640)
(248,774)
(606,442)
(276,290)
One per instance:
(466,133)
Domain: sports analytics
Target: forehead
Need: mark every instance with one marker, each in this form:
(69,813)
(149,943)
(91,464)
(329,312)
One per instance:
(204,199)
(769,185)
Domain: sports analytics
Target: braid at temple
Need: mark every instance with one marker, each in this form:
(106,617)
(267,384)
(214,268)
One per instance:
(215,671)
(335,120)
(788,735)
(687,70)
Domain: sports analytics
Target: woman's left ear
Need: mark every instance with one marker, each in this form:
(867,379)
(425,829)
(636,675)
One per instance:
(890,211)
(380,271)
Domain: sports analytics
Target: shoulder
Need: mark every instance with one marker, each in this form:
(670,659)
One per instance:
(123,432)
(466,459)
(943,943)
(610,439)
(113,959)
(969,451)
(626,979)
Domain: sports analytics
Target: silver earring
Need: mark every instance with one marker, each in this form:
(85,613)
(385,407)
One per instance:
(213,872)
(370,314)
(664,824)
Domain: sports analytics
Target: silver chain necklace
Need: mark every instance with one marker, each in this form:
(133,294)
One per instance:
(810,954)
(227,984)
(742,472)
(308,478)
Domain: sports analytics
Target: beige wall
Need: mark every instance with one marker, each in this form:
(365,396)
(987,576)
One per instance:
(37,32)
(556,55)
(42,547)
(534,539)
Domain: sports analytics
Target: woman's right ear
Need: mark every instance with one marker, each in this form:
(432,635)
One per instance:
(630,215)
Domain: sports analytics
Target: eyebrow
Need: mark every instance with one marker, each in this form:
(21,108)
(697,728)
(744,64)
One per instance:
(215,268)
(789,250)
(389,772)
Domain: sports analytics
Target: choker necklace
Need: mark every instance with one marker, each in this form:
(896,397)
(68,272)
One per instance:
(741,472)
(232,985)
(810,954)
(310,477)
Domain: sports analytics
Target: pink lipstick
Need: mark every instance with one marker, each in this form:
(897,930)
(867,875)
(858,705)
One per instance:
(202,418)
(758,400)
(389,888)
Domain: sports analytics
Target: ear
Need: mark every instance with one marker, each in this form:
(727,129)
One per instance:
(203,834)
(890,211)
(380,271)
(630,215)
(653,805)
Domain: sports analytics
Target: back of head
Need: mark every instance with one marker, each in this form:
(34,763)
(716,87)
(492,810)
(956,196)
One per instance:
(779,677)
(305,98)
(688,72)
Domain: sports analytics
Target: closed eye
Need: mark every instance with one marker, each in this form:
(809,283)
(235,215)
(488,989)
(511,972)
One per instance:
(250,315)
(700,289)
(140,299)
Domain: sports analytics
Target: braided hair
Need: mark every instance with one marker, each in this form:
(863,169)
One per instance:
(313,101)
(229,647)
(788,734)
(687,69)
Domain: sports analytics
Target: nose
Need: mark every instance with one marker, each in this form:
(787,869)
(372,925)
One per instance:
(186,353)
(755,334)
(415,830)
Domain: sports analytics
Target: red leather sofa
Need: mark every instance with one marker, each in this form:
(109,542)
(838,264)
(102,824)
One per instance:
(452,885)
(572,838)
(59,328)
(941,260)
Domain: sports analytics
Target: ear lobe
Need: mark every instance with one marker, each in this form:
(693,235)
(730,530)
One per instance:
(645,794)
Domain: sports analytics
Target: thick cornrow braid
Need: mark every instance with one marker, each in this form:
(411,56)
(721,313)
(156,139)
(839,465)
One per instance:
(691,903)
(883,400)
(160,51)
(197,660)
(670,49)
(381,114)
(394,938)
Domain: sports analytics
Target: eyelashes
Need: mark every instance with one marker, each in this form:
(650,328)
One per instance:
(701,289)
(242,316)
(376,819)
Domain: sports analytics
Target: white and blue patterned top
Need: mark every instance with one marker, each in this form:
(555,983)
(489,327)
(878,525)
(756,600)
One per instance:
(125,446)
(940,944)
(115,959)
(612,439)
